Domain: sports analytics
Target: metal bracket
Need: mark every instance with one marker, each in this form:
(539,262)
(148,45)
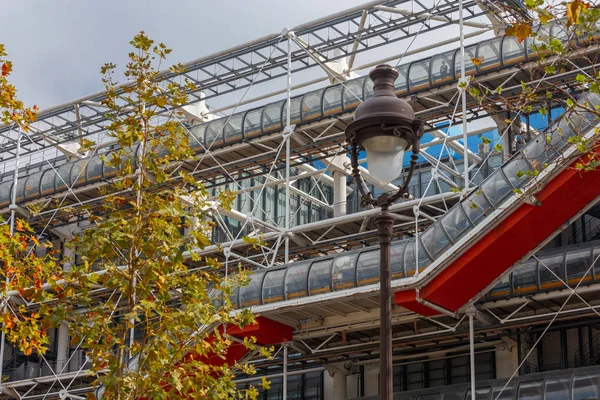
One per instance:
(288,130)
(532,200)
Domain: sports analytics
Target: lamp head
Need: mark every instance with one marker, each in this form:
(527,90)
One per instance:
(385,126)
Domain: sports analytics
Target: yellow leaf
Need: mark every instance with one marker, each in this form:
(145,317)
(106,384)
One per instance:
(521,30)
(19,225)
(544,15)
(574,10)
(477,60)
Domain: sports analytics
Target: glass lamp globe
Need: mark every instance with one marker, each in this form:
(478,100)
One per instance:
(385,155)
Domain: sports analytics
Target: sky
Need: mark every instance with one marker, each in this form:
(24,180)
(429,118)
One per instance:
(57,47)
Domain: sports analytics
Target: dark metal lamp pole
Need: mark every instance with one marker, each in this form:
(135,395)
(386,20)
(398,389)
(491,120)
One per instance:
(384,126)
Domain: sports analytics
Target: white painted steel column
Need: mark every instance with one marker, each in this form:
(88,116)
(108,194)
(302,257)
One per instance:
(339,386)
(464,93)
(472,357)
(62,347)
(339,193)
(285,362)
(288,123)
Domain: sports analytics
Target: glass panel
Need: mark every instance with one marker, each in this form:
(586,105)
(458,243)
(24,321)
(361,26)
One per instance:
(441,69)
(353,93)
(558,389)
(272,116)
(319,277)
(397,250)
(560,31)
(435,240)
(273,286)
(476,207)
(233,130)
(502,289)
(429,396)
(197,136)
(515,171)
(456,223)
(525,278)
(496,188)
(400,86)
(555,264)
(418,75)
(343,274)
(295,111)
(459,369)
(456,394)
(488,53)
(77,173)
(296,281)
(578,263)
(512,50)
(63,177)
(250,294)
(311,106)
(369,89)
(93,171)
(414,376)
(234,298)
(108,171)
(20,190)
(5,192)
(480,394)
(436,371)
(539,152)
(47,185)
(32,186)
(216,297)
(367,268)
(332,100)
(502,393)
(214,133)
(531,390)
(470,53)
(543,34)
(252,123)
(585,387)
(409,258)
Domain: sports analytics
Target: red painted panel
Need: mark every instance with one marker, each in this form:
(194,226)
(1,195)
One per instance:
(266,331)
(407,299)
(519,233)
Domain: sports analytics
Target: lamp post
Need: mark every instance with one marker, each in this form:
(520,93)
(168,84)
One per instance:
(385,127)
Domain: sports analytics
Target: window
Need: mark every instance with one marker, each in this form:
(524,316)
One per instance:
(557,389)
(532,390)
(585,387)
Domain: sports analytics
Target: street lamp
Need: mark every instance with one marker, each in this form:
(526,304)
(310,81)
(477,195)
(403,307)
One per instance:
(385,127)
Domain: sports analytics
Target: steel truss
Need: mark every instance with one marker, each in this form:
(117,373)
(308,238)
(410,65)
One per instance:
(342,329)
(237,68)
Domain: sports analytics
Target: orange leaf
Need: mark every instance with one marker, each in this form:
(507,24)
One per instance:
(19,225)
(477,60)
(574,10)
(6,68)
(521,30)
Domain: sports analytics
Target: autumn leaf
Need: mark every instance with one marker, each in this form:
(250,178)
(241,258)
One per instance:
(574,10)
(19,225)
(6,68)
(477,60)
(545,16)
(521,30)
